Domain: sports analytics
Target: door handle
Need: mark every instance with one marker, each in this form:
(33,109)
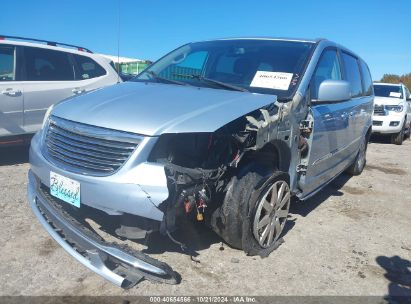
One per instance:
(10,92)
(345,114)
(78,91)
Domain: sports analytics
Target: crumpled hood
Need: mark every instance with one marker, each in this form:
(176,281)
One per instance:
(387,101)
(153,108)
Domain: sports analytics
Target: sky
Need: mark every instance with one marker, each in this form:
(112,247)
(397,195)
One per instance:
(377,30)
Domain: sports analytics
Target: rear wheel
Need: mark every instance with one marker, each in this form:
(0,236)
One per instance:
(254,212)
(359,163)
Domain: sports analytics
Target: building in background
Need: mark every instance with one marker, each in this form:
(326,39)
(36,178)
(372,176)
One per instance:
(128,66)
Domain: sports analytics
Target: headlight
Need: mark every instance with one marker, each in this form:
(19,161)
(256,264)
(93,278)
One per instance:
(46,116)
(394,108)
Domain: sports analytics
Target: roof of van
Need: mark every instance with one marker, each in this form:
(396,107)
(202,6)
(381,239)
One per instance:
(388,84)
(271,38)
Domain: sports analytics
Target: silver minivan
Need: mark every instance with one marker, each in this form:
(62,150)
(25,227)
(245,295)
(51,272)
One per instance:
(35,75)
(220,133)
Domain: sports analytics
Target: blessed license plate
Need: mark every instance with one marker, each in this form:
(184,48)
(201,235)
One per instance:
(65,189)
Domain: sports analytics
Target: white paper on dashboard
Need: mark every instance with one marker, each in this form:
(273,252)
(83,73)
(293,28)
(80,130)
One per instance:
(395,94)
(272,80)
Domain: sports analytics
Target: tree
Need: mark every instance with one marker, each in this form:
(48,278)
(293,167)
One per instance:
(392,78)
(406,80)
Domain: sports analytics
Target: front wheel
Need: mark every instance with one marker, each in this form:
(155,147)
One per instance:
(398,138)
(254,212)
(271,213)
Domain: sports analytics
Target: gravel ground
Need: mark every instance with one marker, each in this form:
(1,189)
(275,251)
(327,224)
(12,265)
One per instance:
(353,238)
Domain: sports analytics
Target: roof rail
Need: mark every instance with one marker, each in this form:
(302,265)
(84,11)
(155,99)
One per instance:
(52,43)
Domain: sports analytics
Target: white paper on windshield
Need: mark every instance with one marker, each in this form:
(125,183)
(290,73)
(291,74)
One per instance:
(272,80)
(395,94)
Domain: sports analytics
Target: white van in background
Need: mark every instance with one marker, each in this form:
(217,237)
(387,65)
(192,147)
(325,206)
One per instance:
(34,74)
(392,111)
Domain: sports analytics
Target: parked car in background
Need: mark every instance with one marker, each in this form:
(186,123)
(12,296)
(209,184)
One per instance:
(392,111)
(35,75)
(219,132)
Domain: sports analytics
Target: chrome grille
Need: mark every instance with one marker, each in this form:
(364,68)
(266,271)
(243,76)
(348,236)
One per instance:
(87,149)
(379,110)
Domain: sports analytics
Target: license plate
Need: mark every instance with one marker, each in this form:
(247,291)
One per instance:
(65,188)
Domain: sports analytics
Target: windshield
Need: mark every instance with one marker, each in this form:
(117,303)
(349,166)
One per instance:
(259,66)
(388,91)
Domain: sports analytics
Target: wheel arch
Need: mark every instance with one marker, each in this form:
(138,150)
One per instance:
(273,155)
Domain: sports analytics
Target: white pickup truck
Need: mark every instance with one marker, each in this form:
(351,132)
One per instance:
(392,111)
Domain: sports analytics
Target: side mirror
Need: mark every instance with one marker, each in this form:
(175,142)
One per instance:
(334,90)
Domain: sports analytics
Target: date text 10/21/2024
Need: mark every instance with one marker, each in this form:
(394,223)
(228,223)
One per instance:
(204,299)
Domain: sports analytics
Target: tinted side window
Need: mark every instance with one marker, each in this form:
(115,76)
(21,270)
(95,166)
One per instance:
(366,79)
(352,74)
(328,68)
(87,68)
(47,65)
(7,63)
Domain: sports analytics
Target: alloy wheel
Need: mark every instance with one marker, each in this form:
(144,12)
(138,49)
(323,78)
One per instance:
(271,214)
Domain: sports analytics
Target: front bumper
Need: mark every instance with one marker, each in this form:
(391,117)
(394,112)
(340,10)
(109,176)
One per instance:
(122,266)
(138,188)
(381,124)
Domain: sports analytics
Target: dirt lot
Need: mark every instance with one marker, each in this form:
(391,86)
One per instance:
(354,238)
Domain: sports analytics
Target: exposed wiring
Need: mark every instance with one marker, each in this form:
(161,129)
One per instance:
(183,247)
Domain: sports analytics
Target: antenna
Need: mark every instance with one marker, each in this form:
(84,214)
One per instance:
(118,44)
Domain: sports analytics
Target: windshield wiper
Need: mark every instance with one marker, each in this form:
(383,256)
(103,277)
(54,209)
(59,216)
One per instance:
(159,78)
(209,80)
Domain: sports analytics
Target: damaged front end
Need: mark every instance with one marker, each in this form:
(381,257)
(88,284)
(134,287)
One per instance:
(199,166)
(166,182)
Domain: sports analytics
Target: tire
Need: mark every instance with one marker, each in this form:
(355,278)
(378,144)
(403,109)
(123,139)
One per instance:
(360,160)
(398,138)
(408,133)
(245,205)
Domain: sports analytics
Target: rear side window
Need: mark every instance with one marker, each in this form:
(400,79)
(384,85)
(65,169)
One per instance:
(87,68)
(7,63)
(328,68)
(352,74)
(366,79)
(47,65)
